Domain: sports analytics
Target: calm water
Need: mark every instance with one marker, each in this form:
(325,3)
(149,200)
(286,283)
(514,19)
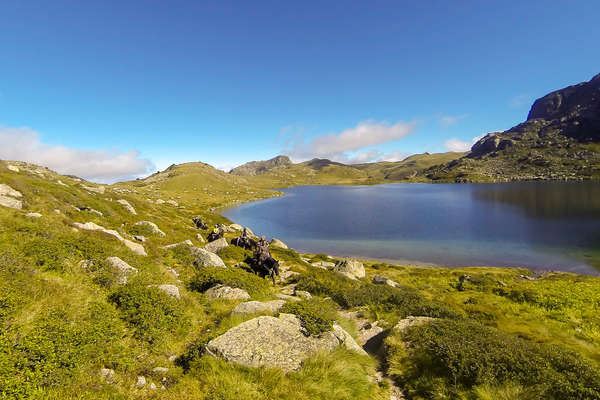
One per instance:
(538,225)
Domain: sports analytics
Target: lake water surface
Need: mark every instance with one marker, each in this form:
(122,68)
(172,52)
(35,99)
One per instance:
(539,225)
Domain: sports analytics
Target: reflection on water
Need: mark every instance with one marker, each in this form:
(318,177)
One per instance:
(534,224)
(547,200)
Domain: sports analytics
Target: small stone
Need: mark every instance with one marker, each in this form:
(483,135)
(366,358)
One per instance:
(184,243)
(171,290)
(33,215)
(200,238)
(140,238)
(107,374)
(160,370)
(124,270)
(152,386)
(57,211)
(303,294)
(141,382)
(172,202)
(323,265)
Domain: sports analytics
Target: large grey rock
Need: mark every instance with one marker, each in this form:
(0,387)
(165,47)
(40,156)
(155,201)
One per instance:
(11,202)
(216,245)
(236,227)
(123,269)
(90,226)
(353,269)
(9,197)
(275,343)
(382,280)
(227,293)
(278,243)
(205,258)
(171,290)
(127,206)
(154,229)
(255,307)
(6,190)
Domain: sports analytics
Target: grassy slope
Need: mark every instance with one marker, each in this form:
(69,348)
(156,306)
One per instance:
(61,323)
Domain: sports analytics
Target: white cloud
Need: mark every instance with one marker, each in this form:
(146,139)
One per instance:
(341,146)
(449,120)
(106,166)
(455,144)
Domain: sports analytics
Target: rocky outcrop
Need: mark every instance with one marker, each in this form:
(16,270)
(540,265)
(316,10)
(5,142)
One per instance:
(227,293)
(9,197)
(154,229)
(216,245)
(94,189)
(127,206)
(261,167)
(575,110)
(256,307)
(353,269)
(278,243)
(90,226)
(205,258)
(33,215)
(276,343)
(124,270)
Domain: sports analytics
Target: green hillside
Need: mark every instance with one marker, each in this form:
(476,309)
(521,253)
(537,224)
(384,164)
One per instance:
(77,326)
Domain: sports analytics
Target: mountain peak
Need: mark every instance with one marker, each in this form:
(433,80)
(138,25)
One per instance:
(260,167)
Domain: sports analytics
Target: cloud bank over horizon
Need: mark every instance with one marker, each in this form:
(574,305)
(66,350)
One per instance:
(102,166)
(350,146)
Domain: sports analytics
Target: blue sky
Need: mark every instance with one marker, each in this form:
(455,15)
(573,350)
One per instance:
(114,89)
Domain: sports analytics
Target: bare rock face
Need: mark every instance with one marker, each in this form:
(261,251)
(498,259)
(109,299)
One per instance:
(227,293)
(205,258)
(216,245)
(276,343)
(124,270)
(260,167)
(256,307)
(127,206)
(353,269)
(575,110)
(152,226)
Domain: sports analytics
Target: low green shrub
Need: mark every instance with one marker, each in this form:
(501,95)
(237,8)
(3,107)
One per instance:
(348,293)
(234,254)
(286,255)
(48,354)
(148,310)
(462,354)
(235,277)
(315,315)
